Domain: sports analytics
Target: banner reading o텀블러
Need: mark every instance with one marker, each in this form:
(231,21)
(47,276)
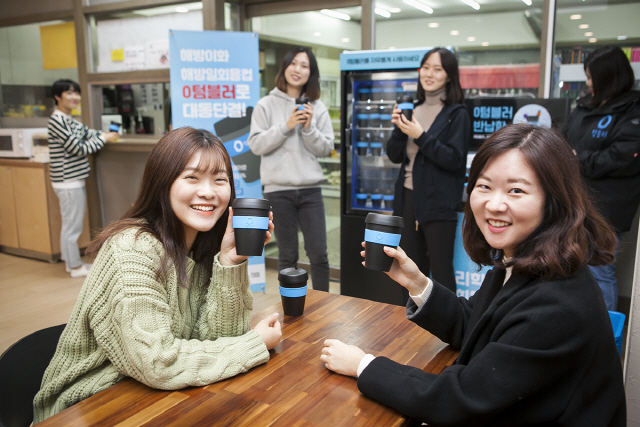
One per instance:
(215,84)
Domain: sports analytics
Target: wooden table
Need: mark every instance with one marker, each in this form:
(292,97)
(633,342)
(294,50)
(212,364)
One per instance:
(293,388)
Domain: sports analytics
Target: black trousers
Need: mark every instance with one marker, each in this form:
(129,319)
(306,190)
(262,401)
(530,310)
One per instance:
(430,244)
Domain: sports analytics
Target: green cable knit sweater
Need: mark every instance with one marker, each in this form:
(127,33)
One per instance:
(126,323)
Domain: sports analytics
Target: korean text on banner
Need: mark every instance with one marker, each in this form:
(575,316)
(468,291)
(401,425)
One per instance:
(215,84)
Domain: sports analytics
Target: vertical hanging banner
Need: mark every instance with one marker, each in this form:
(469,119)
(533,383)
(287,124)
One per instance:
(215,83)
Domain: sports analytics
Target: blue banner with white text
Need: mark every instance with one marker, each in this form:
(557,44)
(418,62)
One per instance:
(215,84)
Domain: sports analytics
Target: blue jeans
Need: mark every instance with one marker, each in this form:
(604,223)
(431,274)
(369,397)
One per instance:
(606,277)
(304,208)
(73,202)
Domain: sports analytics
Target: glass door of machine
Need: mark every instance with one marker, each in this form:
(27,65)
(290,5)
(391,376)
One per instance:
(371,176)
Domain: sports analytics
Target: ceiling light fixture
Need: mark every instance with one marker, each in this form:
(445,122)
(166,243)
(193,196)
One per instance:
(527,2)
(317,34)
(574,17)
(622,37)
(485,43)
(420,6)
(395,10)
(588,34)
(454,32)
(182,9)
(382,12)
(593,40)
(346,40)
(471,39)
(433,25)
(334,14)
(471,3)
(583,26)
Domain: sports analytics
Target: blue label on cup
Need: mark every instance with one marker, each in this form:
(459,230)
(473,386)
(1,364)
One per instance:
(257,222)
(376,197)
(363,116)
(385,117)
(362,144)
(381,237)
(293,292)
(301,107)
(405,106)
(376,145)
(374,116)
(362,196)
(387,198)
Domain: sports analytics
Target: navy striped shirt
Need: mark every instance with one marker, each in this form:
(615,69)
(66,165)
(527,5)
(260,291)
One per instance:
(69,143)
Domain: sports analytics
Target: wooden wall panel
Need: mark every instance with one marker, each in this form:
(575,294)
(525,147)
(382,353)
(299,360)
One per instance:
(8,225)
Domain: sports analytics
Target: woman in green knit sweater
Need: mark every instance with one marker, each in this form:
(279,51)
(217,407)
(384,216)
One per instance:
(167,301)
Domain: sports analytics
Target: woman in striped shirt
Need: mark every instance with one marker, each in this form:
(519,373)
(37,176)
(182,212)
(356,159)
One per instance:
(69,143)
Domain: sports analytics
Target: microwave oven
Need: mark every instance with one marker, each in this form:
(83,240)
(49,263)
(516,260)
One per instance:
(19,142)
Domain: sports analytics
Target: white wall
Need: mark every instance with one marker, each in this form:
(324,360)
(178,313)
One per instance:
(116,34)
(632,356)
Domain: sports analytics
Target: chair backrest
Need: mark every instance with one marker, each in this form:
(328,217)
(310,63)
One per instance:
(21,369)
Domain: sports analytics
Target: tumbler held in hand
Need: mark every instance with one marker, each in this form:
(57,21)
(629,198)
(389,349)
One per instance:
(380,231)
(405,104)
(250,224)
(301,101)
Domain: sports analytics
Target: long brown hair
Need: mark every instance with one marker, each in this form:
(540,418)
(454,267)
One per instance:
(152,212)
(453,90)
(312,88)
(572,231)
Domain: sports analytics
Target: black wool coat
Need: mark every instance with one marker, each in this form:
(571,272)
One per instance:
(538,354)
(439,168)
(607,141)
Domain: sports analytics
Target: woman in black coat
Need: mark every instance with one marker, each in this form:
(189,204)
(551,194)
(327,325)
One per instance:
(536,343)
(432,149)
(604,130)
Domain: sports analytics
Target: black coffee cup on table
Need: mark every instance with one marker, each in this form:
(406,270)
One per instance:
(302,100)
(293,290)
(250,225)
(405,104)
(380,231)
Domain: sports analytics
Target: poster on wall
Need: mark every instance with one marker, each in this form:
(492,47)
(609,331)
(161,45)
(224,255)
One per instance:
(490,114)
(214,86)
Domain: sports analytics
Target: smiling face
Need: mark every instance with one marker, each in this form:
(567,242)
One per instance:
(200,195)
(68,101)
(297,73)
(433,77)
(507,201)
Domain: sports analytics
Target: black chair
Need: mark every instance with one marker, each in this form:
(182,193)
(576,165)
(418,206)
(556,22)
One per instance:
(21,369)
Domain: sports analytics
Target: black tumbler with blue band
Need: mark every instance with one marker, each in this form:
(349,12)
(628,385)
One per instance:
(300,101)
(380,231)
(250,224)
(293,290)
(405,104)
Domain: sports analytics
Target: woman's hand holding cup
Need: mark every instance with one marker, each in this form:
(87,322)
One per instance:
(404,270)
